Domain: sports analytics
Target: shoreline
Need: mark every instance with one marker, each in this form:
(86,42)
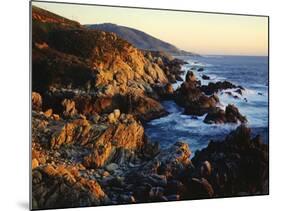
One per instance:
(89,107)
(151,124)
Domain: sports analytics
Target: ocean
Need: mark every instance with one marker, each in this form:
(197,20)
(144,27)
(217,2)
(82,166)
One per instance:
(251,72)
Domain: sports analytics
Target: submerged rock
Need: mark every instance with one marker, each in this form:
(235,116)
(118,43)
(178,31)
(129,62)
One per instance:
(205,77)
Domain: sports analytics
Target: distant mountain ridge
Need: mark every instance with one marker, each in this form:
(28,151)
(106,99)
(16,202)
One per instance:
(140,39)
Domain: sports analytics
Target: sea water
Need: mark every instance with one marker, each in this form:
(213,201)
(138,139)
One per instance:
(251,72)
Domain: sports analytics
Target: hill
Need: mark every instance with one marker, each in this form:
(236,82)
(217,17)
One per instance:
(140,39)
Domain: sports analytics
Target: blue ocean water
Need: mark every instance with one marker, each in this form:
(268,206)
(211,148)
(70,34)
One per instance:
(251,72)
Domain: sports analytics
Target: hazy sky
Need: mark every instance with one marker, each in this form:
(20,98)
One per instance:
(196,32)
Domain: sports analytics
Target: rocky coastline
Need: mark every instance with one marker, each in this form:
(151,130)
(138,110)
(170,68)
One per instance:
(89,104)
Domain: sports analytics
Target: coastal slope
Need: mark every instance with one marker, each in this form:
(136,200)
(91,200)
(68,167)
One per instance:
(141,39)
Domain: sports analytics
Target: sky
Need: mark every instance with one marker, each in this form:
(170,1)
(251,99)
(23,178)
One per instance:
(203,33)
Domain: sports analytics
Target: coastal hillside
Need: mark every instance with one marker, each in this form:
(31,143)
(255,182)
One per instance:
(140,39)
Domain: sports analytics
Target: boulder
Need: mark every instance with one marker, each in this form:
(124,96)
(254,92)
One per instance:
(230,115)
(193,99)
(190,76)
(36,101)
(205,77)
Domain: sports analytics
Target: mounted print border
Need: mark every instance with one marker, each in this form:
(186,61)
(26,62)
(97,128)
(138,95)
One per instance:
(139,105)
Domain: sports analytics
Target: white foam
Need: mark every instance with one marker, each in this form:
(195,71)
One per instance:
(197,133)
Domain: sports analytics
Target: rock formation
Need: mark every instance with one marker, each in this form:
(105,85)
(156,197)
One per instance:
(89,103)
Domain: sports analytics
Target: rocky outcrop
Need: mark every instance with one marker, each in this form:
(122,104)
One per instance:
(112,162)
(170,65)
(192,99)
(89,147)
(60,186)
(212,88)
(165,92)
(71,102)
(98,75)
(160,178)
(239,164)
(127,136)
(101,139)
(230,115)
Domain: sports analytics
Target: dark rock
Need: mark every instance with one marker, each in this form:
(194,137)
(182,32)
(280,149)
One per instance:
(174,187)
(239,91)
(205,77)
(190,77)
(239,164)
(212,88)
(233,115)
(230,115)
(179,78)
(156,194)
(201,188)
(201,69)
(192,98)
(173,197)
(206,169)
(165,92)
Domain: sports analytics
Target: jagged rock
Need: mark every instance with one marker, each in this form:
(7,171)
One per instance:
(62,186)
(156,194)
(190,77)
(90,148)
(35,163)
(145,108)
(193,99)
(201,188)
(231,115)
(36,101)
(164,92)
(239,164)
(206,169)
(212,88)
(169,89)
(170,65)
(48,113)
(69,108)
(205,77)
(111,118)
(128,136)
(239,91)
